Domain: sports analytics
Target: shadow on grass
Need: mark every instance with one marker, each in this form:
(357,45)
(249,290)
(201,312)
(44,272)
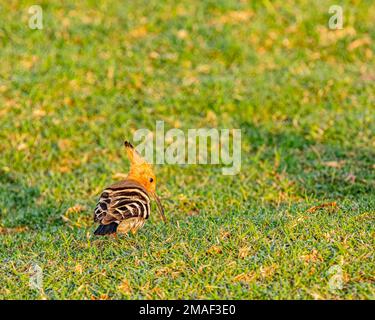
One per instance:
(19,204)
(319,170)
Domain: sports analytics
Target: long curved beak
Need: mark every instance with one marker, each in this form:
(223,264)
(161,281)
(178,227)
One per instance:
(160,207)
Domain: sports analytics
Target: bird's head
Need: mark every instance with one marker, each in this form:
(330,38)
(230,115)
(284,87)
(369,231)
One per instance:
(143,173)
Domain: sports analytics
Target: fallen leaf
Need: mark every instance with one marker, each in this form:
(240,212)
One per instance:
(138,33)
(75,209)
(166,271)
(38,113)
(243,252)
(159,292)
(359,43)
(224,234)
(202,268)
(215,250)
(193,212)
(12,230)
(182,34)
(245,277)
(233,17)
(154,55)
(203,68)
(312,271)
(334,164)
(330,205)
(313,256)
(125,287)
(211,118)
(22,146)
(64,144)
(64,169)
(268,271)
(78,268)
(29,62)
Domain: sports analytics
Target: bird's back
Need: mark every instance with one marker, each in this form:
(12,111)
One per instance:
(120,202)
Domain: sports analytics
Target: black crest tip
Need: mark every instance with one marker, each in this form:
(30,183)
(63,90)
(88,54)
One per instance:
(128,145)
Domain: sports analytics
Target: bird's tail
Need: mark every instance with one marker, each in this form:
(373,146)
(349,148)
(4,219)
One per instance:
(106,229)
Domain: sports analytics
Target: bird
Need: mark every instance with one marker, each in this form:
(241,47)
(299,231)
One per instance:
(125,206)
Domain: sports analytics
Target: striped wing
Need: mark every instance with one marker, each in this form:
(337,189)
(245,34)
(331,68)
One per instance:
(127,199)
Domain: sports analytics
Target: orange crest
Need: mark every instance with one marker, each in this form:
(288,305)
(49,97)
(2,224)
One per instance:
(140,170)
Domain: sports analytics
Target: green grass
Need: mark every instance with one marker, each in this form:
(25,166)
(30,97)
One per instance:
(302,94)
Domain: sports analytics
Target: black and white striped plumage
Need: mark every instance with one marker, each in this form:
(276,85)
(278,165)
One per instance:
(122,207)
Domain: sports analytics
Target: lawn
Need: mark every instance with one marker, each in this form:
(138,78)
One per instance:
(303,96)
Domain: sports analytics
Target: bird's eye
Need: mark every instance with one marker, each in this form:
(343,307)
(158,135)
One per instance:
(151,180)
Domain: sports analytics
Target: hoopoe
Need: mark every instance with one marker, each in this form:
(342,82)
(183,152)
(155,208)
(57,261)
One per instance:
(125,206)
